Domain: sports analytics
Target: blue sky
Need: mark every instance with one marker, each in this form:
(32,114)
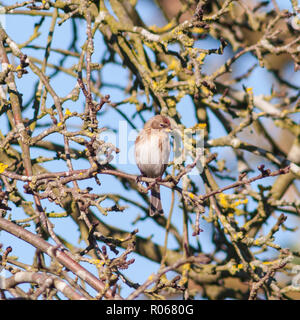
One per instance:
(260,80)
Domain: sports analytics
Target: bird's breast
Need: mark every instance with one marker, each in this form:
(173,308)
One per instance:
(152,150)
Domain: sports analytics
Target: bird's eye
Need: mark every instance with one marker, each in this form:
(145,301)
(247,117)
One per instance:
(162,125)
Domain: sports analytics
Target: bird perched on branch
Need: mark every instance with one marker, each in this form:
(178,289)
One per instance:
(152,150)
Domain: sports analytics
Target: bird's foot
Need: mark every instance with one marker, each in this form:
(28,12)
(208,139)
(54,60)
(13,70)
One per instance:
(172,179)
(152,184)
(139,178)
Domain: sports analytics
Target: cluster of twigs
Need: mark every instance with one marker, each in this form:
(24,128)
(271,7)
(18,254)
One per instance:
(162,82)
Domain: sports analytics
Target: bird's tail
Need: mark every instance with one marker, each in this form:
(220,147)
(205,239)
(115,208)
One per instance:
(155,202)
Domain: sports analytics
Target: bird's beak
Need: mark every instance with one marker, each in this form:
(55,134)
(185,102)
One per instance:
(168,130)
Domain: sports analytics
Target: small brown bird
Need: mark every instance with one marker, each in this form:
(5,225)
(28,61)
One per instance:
(152,150)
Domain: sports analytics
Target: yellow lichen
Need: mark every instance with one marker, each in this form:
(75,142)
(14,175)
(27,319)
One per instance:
(267,262)
(206,91)
(226,203)
(150,278)
(171,103)
(172,112)
(256,242)
(186,267)
(174,65)
(163,279)
(165,28)
(200,126)
(201,57)
(3,167)
(198,30)
(68,112)
(191,83)
(154,84)
(223,200)
(183,281)
(191,195)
